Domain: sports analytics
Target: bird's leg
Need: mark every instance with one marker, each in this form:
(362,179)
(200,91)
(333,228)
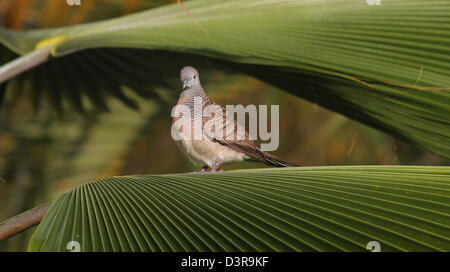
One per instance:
(216,166)
(202,170)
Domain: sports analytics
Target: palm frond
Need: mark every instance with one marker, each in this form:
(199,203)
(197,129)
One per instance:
(291,209)
(386,66)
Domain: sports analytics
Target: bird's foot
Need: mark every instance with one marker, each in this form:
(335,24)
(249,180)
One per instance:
(195,172)
(215,169)
(203,170)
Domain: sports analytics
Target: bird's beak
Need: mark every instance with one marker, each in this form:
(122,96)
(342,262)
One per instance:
(185,84)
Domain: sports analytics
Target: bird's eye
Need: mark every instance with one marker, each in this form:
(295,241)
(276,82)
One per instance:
(194,77)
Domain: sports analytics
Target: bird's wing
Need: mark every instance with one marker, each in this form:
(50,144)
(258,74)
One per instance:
(239,140)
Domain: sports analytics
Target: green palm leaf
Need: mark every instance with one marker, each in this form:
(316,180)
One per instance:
(386,66)
(291,209)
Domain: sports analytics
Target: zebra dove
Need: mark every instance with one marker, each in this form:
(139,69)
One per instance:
(211,151)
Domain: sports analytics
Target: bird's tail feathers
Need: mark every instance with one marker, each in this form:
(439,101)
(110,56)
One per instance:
(275,161)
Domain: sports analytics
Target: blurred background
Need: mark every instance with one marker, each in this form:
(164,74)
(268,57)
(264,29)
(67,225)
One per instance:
(44,153)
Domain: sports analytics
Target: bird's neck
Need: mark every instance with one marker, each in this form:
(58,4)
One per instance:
(187,96)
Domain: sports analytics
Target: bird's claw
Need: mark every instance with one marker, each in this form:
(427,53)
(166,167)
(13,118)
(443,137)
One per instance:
(203,170)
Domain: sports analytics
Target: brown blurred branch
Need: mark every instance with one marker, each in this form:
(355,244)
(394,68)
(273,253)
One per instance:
(16,13)
(22,222)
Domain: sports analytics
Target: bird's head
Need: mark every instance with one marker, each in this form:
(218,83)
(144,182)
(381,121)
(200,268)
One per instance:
(189,77)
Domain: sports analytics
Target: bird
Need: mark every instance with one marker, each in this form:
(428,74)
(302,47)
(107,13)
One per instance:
(210,151)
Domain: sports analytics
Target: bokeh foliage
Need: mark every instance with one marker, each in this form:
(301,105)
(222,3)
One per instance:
(46,152)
